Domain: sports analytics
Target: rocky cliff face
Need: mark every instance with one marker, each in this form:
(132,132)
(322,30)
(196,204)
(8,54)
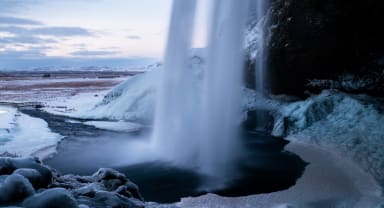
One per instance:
(324,40)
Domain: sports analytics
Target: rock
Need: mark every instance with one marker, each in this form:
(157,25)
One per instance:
(88,190)
(15,188)
(104,180)
(9,165)
(108,199)
(105,188)
(32,175)
(322,39)
(108,174)
(56,197)
(8,154)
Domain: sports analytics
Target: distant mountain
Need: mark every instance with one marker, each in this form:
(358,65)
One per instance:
(68,64)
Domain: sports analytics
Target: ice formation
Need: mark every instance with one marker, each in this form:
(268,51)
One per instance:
(351,124)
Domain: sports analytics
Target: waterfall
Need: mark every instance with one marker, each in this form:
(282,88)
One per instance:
(222,87)
(261,118)
(260,63)
(196,124)
(176,102)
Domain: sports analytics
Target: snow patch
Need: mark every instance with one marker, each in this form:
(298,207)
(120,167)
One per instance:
(120,126)
(132,100)
(24,135)
(329,181)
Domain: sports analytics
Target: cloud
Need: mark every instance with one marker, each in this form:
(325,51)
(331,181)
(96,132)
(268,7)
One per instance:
(93,53)
(49,31)
(26,40)
(134,37)
(19,34)
(14,30)
(24,54)
(7,20)
(10,6)
(62,31)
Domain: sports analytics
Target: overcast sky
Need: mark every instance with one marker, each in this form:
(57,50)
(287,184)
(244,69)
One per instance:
(52,30)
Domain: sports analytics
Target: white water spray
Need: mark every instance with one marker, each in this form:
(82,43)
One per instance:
(196,126)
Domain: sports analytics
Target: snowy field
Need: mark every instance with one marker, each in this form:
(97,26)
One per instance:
(24,135)
(56,87)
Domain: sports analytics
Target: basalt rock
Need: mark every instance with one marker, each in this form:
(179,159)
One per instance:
(322,40)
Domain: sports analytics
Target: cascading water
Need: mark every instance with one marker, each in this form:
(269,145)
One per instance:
(261,118)
(260,64)
(175,121)
(222,96)
(196,126)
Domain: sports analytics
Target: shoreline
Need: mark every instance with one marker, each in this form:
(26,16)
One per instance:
(342,182)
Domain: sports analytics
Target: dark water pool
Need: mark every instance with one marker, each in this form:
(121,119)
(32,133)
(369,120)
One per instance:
(263,167)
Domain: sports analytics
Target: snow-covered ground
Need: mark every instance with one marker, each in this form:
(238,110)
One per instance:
(328,181)
(24,135)
(119,126)
(132,100)
(73,106)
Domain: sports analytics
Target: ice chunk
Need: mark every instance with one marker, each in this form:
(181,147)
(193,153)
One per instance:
(351,124)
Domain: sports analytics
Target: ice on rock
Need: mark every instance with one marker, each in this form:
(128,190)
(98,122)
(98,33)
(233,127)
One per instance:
(33,176)
(56,197)
(9,165)
(105,188)
(351,124)
(109,199)
(15,188)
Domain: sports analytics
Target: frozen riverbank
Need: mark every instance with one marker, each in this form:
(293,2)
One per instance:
(24,135)
(328,181)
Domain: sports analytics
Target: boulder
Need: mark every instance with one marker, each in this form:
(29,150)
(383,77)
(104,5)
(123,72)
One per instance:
(56,197)
(9,165)
(34,176)
(15,188)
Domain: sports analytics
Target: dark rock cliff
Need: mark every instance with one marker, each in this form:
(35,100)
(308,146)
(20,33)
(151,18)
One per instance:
(325,40)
